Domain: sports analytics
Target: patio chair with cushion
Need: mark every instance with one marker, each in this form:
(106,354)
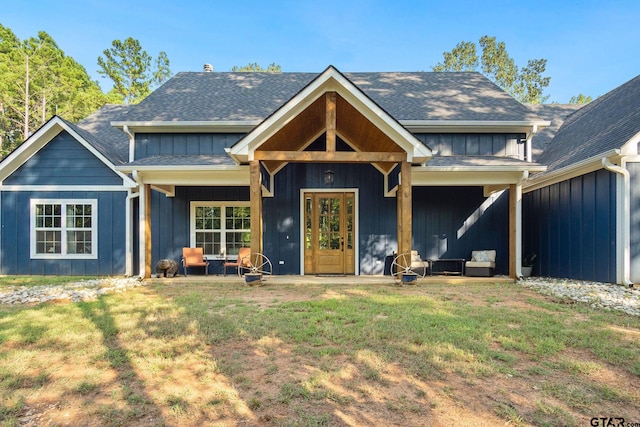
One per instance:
(194,257)
(243,260)
(482,264)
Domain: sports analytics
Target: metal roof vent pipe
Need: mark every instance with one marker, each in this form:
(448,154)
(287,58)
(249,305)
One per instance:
(208,68)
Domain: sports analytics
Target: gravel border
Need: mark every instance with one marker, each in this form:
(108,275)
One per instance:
(596,294)
(75,291)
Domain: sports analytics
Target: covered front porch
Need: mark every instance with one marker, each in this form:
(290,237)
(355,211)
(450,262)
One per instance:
(308,226)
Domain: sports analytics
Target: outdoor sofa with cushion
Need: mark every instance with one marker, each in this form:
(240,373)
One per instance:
(482,264)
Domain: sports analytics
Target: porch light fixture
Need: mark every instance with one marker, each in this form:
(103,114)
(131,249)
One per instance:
(328,177)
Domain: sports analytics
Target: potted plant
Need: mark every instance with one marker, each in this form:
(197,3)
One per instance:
(527,264)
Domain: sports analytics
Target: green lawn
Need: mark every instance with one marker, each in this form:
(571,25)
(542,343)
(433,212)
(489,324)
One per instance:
(194,353)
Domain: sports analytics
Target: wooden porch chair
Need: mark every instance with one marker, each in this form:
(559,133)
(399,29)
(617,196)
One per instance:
(194,257)
(242,261)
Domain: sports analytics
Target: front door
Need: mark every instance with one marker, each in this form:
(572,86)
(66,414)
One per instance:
(329,220)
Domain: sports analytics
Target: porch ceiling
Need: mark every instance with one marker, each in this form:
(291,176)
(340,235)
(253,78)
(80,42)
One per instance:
(319,118)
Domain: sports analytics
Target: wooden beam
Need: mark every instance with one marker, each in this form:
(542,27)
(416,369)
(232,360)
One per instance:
(405,223)
(330,157)
(331,121)
(147,231)
(255,195)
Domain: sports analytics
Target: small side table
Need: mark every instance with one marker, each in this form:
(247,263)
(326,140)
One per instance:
(449,266)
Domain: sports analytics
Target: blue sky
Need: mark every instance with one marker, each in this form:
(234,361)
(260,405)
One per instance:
(591,46)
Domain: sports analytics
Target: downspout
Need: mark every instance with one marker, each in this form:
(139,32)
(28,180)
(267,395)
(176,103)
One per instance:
(141,214)
(623,223)
(129,232)
(132,143)
(519,226)
(534,130)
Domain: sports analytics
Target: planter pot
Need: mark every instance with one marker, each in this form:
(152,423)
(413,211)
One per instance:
(526,271)
(253,279)
(409,278)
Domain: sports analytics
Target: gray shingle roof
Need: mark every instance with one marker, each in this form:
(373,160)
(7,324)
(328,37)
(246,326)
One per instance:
(602,125)
(184,160)
(97,130)
(555,114)
(202,96)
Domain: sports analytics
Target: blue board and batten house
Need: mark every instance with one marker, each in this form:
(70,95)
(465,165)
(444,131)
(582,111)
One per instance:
(63,206)
(582,215)
(433,162)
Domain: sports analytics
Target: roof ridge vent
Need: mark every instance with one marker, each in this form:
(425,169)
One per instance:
(208,68)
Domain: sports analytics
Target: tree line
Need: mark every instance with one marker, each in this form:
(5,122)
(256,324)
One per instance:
(38,81)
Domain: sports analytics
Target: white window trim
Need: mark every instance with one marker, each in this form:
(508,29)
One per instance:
(63,229)
(192,224)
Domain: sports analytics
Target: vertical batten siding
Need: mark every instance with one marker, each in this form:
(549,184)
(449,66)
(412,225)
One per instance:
(437,212)
(571,226)
(147,145)
(16,234)
(377,231)
(377,219)
(170,217)
(634,172)
(63,161)
(439,215)
(501,145)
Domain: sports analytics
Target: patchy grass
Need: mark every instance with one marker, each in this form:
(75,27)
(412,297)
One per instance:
(208,352)
(30,281)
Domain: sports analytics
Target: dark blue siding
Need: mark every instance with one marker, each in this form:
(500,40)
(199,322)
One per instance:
(634,171)
(377,226)
(474,144)
(571,226)
(439,215)
(15,249)
(147,145)
(170,217)
(63,161)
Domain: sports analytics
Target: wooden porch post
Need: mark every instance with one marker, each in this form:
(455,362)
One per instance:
(515,230)
(403,196)
(145,231)
(256,206)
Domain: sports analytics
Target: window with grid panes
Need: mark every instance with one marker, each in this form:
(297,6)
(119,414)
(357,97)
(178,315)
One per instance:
(64,228)
(220,228)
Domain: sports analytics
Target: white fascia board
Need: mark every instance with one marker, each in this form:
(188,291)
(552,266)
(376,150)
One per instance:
(223,126)
(504,168)
(61,188)
(183,168)
(582,167)
(451,126)
(31,146)
(41,138)
(630,148)
(332,80)
(280,118)
(423,177)
(230,176)
(382,120)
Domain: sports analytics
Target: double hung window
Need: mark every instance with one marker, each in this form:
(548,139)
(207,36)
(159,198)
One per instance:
(220,228)
(64,228)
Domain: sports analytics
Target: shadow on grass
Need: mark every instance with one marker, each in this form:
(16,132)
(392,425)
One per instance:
(138,404)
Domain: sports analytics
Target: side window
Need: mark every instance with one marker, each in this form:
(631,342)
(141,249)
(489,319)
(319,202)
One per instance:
(64,228)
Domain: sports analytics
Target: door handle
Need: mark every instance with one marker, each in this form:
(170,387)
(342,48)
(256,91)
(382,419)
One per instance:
(342,243)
